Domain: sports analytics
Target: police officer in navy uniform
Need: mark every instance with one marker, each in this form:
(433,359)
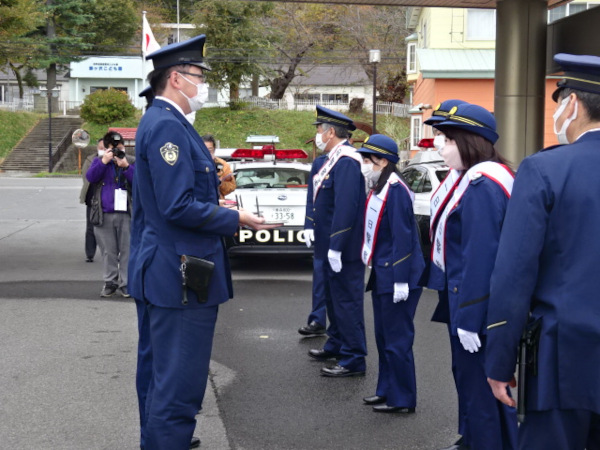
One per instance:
(442,312)
(391,247)
(317,319)
(547,273)
(338,206)
(467,212)
(176,206)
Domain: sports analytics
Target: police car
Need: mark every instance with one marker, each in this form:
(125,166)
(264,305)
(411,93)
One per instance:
(423,175)
(272,184)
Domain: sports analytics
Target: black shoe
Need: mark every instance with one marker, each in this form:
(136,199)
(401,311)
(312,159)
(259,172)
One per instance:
(393,409)
(109,290)
(124,292)
(458,445)
(322,355)
(339,372)
(89,259)
(312,329)
(374,400)
(195,443)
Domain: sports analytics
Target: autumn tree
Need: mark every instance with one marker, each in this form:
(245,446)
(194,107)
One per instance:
(233,39)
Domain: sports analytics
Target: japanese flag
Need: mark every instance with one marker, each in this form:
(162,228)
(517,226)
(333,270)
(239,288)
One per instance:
(149,44)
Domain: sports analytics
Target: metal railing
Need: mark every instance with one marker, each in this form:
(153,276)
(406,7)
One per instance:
(17,105)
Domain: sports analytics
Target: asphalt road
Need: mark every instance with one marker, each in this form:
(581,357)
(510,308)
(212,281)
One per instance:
(68,356)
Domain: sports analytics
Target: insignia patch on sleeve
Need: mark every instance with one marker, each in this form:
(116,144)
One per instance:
(170,153)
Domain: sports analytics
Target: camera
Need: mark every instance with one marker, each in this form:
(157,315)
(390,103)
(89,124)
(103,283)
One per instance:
(114,139)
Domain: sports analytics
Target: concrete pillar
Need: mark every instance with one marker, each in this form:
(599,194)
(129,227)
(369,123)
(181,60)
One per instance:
(520,76)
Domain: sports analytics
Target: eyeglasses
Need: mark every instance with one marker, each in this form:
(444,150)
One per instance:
(199,75)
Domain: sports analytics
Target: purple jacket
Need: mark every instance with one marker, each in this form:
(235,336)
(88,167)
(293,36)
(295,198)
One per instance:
(110,177)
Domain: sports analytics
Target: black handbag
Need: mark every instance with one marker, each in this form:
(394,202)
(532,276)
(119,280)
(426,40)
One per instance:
(96,213)
(196,274)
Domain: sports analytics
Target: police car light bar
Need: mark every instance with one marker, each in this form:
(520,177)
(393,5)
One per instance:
(260,153)
(425,143)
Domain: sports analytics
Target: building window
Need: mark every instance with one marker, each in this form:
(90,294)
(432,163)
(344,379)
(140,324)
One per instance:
(481,24)
(104,88)
(563,11)
(308,98)
(336,99)
(213,95)
(411,58)
(415,131)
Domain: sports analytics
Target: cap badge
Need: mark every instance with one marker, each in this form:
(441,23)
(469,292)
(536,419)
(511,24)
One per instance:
(170,153)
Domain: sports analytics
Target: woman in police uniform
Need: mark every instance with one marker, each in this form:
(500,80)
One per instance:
(391,247)
(467,212)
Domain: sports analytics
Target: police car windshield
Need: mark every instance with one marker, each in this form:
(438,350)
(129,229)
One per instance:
(270,177)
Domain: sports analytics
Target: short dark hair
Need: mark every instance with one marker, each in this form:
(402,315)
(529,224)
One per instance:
(589,100)
(158,78)
(472,147)
(340,132)
(210,138)
(110,138)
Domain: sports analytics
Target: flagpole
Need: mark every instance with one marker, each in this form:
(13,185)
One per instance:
(177,20)
(143,57)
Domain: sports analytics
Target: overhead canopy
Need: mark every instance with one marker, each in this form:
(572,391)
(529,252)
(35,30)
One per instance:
(439,3)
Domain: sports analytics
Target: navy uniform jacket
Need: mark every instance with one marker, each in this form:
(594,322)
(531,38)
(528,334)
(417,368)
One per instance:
(338,211)
(472,236)
(397,257)
(548,264)
(176,191)
(316,165)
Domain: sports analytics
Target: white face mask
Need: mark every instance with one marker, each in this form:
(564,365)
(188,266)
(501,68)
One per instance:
(371,175)
(319,142)
(101,153)
(451,156)
(439,141)
(197,101)
(562,133)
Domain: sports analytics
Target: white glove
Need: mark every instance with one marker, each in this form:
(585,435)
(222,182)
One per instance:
(309,237)
(469,340)
(335,260)
(400,292)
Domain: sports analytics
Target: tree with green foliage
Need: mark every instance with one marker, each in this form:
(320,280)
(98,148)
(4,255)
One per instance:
(107,106)
(17,18)
(232,39)
(114,25)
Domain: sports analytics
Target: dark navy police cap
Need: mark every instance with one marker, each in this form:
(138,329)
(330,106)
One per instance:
(325,115)
(441,111)
(147,92)
(381,146)
(582,73)
(191,52)
(472,118)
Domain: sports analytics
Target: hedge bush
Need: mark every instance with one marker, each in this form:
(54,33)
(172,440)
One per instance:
(107,106)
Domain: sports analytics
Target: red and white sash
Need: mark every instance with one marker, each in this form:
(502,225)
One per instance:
(332,159)
(447,197)
(375,207)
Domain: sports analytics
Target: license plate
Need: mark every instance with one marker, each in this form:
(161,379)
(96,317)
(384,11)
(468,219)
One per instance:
(282,214)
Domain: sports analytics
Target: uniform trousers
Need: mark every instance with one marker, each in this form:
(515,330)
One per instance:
(181,342)
(144,363)
(558,429)
(90,237)
(344,298)
(394,335)
(113,240)
(489,424)
(318,313)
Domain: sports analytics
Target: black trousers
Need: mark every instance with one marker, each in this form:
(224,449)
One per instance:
(90,237)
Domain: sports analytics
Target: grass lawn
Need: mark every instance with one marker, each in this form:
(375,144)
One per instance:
(13,127)
(230,127)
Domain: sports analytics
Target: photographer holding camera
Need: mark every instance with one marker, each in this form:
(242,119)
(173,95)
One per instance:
(113,173)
